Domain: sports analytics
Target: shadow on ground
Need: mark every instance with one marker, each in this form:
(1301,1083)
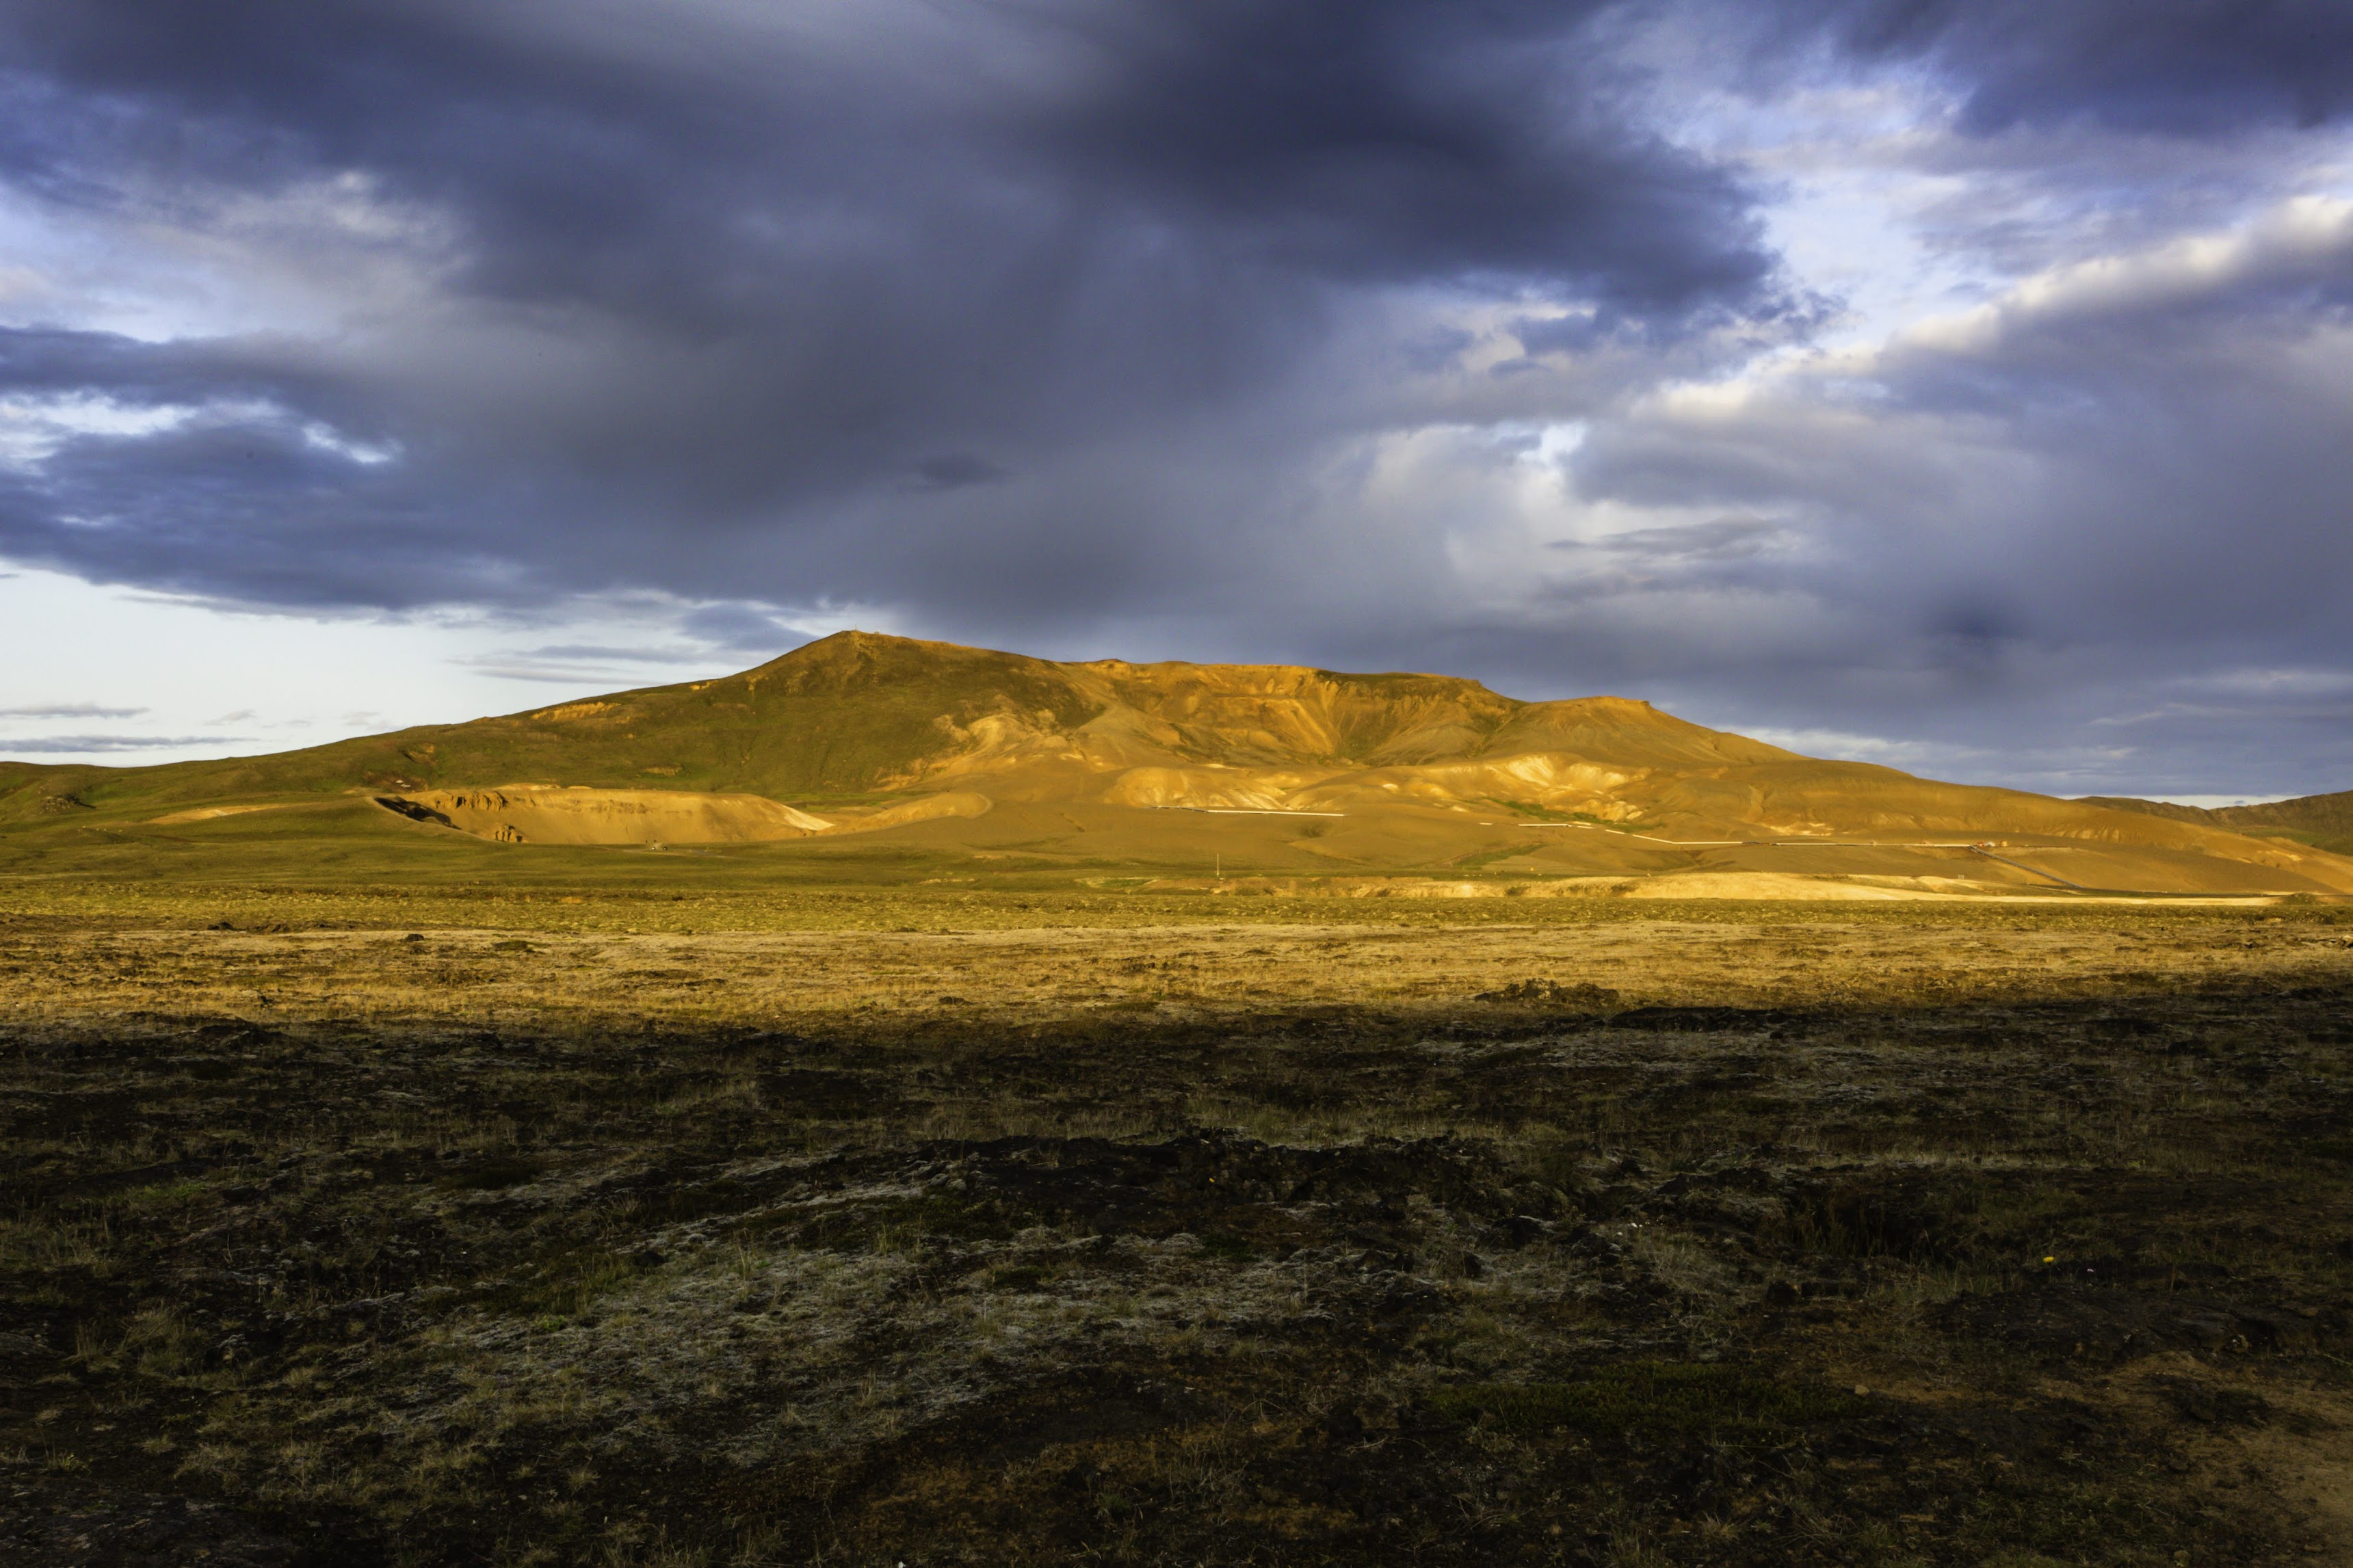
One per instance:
(1528,1279)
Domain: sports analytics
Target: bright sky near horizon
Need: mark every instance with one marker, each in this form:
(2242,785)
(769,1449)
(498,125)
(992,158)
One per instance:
(1964,388)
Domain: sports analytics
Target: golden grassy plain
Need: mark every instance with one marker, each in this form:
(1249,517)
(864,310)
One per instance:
(595,955)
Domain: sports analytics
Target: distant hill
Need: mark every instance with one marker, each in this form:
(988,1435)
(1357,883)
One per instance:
(2324,821)
(969,754)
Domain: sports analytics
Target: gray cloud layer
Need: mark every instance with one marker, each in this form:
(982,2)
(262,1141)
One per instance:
(79,745)
(2182,66)
(1229,327)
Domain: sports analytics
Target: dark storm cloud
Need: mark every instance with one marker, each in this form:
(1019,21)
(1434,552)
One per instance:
(2088,442)
(240,492)
(2177,66)
(599,152)
(954,470)
(36,361)
(2122,485)
(1406,139)
(727,272)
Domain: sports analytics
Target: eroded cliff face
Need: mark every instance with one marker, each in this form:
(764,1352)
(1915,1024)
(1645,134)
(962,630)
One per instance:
(546,814)
(1283,737)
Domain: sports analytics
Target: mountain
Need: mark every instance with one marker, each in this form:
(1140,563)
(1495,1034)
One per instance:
(966,756)
(2324,821)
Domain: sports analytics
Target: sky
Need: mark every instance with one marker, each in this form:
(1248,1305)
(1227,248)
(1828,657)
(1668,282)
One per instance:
(1965,385)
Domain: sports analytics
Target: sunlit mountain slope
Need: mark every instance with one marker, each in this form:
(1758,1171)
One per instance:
(951,750)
